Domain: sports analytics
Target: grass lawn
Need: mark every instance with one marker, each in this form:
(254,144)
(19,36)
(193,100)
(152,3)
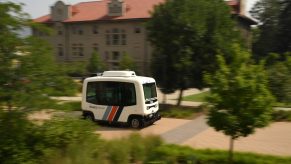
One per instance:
(208,156)
(196,97)
(173,111)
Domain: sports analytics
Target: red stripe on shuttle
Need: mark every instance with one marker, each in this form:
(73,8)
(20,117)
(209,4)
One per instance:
(112,113)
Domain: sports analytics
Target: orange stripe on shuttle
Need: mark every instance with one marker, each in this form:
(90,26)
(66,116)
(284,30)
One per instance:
(112,113)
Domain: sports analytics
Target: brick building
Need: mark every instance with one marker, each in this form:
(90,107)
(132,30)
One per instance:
(112,28)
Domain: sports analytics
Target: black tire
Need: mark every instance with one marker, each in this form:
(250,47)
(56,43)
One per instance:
(89,116)
(135,123)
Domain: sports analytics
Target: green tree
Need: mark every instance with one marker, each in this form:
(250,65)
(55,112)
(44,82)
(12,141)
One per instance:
(266,12)
(186,35)
(28,76)
(9,45)
(240,100)
(280,80)
(127,62)
(28,70)
(95,63)
(274,28)
(40,73)
(283,43)
(75,69)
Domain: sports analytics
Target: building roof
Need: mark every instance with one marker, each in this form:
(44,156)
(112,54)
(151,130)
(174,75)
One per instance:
(97,10)
(135,9)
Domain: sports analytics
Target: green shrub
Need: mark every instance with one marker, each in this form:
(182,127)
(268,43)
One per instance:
(281,115)
(72,141)
(172,154)
(24,142)
(16,138)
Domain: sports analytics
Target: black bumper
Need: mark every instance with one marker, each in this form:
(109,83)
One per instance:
(150,119)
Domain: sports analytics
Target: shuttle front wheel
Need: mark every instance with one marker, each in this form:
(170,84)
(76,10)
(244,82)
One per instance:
(135,122)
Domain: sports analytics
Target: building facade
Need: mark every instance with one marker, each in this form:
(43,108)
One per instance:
(111,28)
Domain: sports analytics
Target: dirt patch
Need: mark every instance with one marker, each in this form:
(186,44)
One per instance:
(39,117)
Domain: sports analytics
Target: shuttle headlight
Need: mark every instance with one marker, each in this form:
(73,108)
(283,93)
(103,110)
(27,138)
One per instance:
(152,106)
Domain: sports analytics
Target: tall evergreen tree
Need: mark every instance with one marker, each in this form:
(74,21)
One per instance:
(186,35)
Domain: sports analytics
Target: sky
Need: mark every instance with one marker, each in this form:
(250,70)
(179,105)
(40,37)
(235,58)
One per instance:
(37,8)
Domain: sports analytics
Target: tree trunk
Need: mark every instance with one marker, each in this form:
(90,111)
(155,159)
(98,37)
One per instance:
(164,98)
(180,97)
(9,106)
(230,154)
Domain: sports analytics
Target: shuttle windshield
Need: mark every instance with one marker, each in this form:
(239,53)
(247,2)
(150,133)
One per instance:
(150,92)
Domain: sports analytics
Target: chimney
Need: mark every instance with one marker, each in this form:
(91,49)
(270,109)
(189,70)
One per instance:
(242,7)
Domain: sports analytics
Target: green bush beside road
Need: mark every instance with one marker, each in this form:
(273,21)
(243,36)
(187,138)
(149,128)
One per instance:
(281,115)
(72,141)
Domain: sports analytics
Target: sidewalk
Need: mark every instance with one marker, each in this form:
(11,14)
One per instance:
(272,140)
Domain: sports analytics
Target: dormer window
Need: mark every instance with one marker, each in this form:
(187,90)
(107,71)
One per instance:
(116,8)
(60,11)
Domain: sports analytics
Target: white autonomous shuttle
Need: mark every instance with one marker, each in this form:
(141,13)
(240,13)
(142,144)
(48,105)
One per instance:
(121,97)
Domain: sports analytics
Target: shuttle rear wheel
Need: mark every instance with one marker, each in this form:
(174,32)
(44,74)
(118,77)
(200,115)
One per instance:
(89,116)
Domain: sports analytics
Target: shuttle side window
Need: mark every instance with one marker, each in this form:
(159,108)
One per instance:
(111,93)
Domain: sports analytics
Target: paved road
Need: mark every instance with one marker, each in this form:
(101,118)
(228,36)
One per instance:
(275,139)
(185,131)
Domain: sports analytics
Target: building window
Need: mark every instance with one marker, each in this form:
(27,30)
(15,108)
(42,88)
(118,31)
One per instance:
(77,50)
(137,30)
(74,29)
(60,50)
(123,39)
(115,37)
(77,30)
(108,40)
(115,66)
(80,31)
(95,47)
(107,55)
(115,55)
(95,29)
(60,31)
(81,50)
